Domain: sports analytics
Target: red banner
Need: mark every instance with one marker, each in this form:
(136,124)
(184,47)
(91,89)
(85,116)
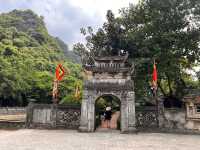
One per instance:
(60,72)
(154,76)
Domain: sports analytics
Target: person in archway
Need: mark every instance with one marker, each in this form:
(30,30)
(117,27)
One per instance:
(108,116)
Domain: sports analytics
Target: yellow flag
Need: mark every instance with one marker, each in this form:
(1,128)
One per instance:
(77,91)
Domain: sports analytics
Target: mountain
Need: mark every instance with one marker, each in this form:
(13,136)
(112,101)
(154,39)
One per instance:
(33,25)
(28,58)
(68,54)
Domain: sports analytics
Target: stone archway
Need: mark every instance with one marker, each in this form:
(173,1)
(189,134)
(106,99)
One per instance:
(127,110)
(109,76)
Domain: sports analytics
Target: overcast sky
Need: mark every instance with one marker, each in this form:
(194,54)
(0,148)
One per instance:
(64,18)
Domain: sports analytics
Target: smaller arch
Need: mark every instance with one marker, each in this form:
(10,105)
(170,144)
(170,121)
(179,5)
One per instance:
(101,102)
(107,94)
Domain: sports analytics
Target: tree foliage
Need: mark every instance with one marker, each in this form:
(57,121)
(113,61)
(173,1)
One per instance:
(28,58)
(167,31)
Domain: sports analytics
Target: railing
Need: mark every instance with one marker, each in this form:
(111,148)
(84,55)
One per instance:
(146,117)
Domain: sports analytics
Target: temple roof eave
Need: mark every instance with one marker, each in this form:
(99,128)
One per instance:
(111,58)
(107,69)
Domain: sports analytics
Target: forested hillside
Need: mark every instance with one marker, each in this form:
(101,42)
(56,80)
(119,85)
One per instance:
(28,57)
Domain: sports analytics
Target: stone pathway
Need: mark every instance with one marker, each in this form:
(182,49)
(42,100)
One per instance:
(28,139)
(113,122)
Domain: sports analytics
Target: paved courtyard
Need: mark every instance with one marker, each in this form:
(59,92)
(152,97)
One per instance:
(28,139)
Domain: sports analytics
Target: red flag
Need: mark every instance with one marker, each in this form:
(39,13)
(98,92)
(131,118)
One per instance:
(155,75)
(60,72)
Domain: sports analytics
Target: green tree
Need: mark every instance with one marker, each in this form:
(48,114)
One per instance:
(28,58)
(167,31)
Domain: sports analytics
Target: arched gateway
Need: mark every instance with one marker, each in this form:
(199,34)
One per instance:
(109,76)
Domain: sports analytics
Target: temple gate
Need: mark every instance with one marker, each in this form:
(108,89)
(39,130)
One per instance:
(109,76)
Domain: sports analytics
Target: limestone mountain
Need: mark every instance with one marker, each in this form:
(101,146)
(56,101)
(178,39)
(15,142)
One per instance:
(68,53)
(28,57)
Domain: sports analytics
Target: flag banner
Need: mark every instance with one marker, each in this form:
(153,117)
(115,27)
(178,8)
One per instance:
(55,91)
(60,72)
(154,80)
(77,93)
(155,75)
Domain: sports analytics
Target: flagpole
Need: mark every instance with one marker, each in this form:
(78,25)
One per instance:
(155,89)
(157,107)
(55,91)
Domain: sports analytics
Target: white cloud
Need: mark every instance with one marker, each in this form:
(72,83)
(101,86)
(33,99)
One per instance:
(64,18)
(100,7)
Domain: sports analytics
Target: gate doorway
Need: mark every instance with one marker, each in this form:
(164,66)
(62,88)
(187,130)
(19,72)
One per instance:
(107,104)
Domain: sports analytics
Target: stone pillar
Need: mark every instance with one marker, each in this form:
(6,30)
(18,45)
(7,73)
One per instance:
(124,116)
(53,115)
(84,113)
(128,112)
(87,112)
(160,109)
(131,111)
(91,114)
(29,115)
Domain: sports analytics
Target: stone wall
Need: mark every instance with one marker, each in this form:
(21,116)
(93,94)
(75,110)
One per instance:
(12,117)
(68,117)
(53,116)
(12,110)
(176,119)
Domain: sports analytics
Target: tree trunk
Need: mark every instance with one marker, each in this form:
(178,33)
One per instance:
(169,84)
(162,90)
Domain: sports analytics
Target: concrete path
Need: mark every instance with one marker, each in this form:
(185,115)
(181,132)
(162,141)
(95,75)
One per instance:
(28,139)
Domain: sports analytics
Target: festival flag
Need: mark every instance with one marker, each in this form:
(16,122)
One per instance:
(77,91)
(60,72)
(155,75)
(55,91)
(154,79)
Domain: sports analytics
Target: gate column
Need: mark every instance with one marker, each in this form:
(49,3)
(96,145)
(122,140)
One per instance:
(84,113)
(131,111)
